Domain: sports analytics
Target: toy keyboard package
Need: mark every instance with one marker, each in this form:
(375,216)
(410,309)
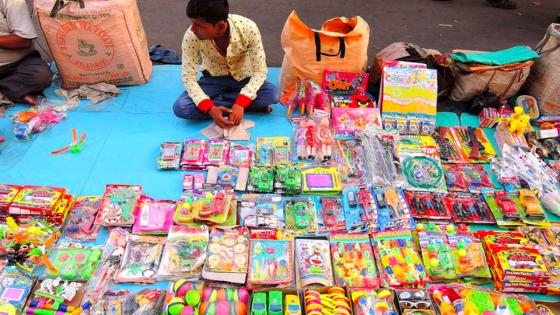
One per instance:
(154,216)
(37,200)
(260,211)
(353,261)
(271,259)
(226,259)
(272,150)
(119,205)
(170,155)
(341,86)
(352,121)
(313,263)
(184,253)
(81,225)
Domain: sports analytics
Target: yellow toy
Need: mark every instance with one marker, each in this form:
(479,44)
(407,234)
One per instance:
(518,122)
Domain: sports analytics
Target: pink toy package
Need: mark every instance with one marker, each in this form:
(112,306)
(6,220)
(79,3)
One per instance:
(154,216)
(341,86)
(354,120)
(216,152)
(193,154)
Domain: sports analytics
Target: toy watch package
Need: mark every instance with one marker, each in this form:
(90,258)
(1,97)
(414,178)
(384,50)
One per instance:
(322,180)
(184,253)
(352,164)
(353,121)
(398,261)
(392,210)
(330,215)
(118,205)
(81,225)
(261,179)
(170,155)
(313,263)
(436,253)
(427,206)
(301,216)
(154,216)
(412,302)
(271,258)
(370,301)
(72,262)
(193,155)
(468,208)
(141,259)
(226,259)
(287,179)
(260,211)
(272,150)
(353,261)
(341,86)
(15,288)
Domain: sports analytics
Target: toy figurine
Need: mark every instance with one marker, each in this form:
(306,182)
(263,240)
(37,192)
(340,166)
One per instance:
(310,139)
(325,139)
(518,122)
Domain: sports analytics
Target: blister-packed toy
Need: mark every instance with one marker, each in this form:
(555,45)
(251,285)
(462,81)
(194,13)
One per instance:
(240,155)
(505,208)
(170,155)
(272,150)
(261,179)
(301,216)
(533,210)
(353,260)
(73,262)
(392,209)
(271,258)
(193,183)
(193,154)
(468,254)
(380,156)
(427,206)
(154,216)
(216,152)
(370,301)
(15,288)
(421,166)
(468,208)
(352,164)
(36,200)
(330,215)
(259,211)
(322,180)
(119,205)
(227,255)
(287,179)
(228,177)
(184,253)
(414,301)
(436,253)
(141,259)
(358,218)
(467,144)
(81,224)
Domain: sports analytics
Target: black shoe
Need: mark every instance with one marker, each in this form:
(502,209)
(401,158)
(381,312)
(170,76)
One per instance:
(502,4)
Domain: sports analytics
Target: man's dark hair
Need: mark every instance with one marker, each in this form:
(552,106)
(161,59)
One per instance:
(211,11)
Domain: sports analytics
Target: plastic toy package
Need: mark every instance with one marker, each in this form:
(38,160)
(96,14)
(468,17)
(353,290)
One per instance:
(327,300)
(214,207)
(353,261)
(358,218)
(552,235)
(308,97)
(301,215)
(193,155)
(170,155)
(468,208)
(398,262)
(468,255)
(392,209)
(52,296)
(380,156)
(321,180)
(144,302)
(240,156)
(259,211)
(370,301)
(504,137)
(215,300)
(428,206)
(287,179)
(272,150)
(7,194)
(271,258)
(313,264)
(228,177)
(184,253)
(532,208)
(414,301)
(455,298)
(534,235)
(353,121)
(193,184)
(261,179)
(422,169)
(141,259)
(330,215)
(154,216)
(36,200)
(466,145)
(15,288)
(226,259)
(82,223)
(352,163)
(505,208)
(341,86)
(436,253)
(216,152)
(119,205)
(71,262)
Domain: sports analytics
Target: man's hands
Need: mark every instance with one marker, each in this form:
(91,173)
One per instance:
(235,115)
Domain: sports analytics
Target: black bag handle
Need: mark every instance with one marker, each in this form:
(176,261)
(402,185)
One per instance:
(341,49)
(59,5)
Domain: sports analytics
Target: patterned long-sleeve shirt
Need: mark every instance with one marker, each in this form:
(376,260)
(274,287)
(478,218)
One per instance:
(244,58)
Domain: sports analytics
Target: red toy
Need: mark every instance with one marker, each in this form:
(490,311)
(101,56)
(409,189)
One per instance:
(507,206)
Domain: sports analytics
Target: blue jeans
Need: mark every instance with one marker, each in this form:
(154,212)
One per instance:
(223,91)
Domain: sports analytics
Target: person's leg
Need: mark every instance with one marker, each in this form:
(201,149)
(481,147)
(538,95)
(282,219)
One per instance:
(29,77)
(267,95)
(214,87)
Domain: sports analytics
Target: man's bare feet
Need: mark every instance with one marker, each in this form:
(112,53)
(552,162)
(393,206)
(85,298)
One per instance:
(31,100)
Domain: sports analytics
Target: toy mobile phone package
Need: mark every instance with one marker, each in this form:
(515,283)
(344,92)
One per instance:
(36,200)
(301,216)
(353,261)
(226,258)
(330,215)
(154,216)
(259,211)
(468,208)
(170,155)
(271,258)
(313,263)
(141,259)
(427,206)
(392,209)
(184,253)
(81,225)
(119,205)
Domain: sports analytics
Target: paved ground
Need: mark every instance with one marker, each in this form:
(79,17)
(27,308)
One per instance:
(442,25)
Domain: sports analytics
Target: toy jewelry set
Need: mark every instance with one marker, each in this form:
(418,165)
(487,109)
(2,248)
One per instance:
(82,221)
(119,205)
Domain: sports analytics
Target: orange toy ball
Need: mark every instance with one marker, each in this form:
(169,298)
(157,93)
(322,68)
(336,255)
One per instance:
(241,308)
(202,307)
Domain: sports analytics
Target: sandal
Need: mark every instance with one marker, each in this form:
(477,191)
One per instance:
(161,55)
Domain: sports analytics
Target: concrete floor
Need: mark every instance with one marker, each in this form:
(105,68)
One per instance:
(442,25)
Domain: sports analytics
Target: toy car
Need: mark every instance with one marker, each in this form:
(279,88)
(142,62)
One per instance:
(531,204)
(292,305)
(275,303)
(301,215)
(331,210)
(506,205)
(258,306)
(352,200)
